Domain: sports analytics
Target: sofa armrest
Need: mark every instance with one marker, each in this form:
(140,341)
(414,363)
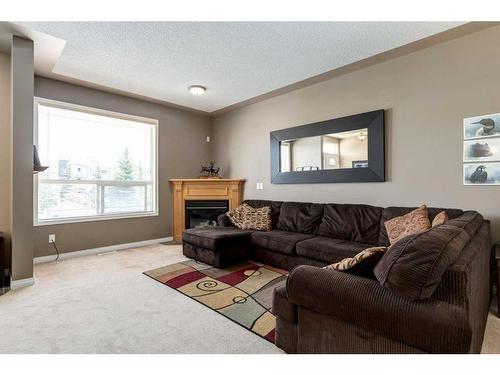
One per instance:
(282,307)
(223,221)
(429,325)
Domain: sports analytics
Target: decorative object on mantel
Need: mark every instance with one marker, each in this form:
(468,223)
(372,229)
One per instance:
(202,190)
(37,166)
(481,146)
(210,171)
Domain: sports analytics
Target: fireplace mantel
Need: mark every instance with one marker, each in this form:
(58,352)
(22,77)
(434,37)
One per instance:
(230,189)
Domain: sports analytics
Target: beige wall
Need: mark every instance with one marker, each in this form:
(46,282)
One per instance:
(306,152)
(22,85)
(182,148)
(352,149)
(5,159)
(426,95)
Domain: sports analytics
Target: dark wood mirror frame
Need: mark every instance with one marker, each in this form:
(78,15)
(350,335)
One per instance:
(373,121)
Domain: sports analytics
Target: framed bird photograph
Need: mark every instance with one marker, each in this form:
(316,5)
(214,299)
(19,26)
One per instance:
(482,126)
(482,174)
(481,150)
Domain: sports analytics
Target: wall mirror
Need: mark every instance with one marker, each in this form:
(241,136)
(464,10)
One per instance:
(347,149)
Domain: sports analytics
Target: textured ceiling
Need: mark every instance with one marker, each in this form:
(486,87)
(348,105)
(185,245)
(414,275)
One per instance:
(236,61)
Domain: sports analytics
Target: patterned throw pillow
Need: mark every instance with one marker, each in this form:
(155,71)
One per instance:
(416,221)
(439,219)
(247,217)
(361,264)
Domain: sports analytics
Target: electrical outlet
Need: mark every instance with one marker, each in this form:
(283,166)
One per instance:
(208,139)
(260,186)
(52,238)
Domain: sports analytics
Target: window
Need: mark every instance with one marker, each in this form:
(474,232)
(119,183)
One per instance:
(102,165)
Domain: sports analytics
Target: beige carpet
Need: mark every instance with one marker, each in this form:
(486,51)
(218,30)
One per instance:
(104,304)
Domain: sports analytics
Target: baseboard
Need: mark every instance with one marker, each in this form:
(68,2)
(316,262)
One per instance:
(17,284)
(100,250)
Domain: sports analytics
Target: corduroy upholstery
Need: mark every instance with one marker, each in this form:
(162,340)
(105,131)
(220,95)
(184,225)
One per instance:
(329,250)
(300,217)
(414,265)
(278,240)
(342,313)
(434,296)
(219,247)
(351,222)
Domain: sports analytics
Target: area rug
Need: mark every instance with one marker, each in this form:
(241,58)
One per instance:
(242,293)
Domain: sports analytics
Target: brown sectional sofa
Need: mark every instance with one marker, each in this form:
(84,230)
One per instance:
(325,311)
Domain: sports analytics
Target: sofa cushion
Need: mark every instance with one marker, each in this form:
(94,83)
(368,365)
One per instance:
(329,250)
(413,222)
(351,222)
(275,208)
(215,238)
(392,212)
(414,266)
(279,241)
(362,264)
(247,217)
(300,217)
(470,221)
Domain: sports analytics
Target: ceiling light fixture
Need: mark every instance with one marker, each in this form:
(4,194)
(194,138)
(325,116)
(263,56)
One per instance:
(197,90)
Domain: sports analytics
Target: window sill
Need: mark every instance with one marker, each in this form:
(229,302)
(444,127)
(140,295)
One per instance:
(87,219)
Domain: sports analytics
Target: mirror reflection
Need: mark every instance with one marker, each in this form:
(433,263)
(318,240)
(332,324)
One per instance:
(330,151)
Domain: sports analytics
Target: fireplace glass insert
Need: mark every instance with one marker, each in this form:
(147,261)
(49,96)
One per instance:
(200,214)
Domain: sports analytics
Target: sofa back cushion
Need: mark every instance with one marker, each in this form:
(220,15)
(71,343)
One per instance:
(392,212)
(300,217)
(414,266)
(275,208)
(351,222)
(470,221)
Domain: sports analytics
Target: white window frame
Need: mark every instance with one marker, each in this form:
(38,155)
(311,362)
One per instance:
(98,217)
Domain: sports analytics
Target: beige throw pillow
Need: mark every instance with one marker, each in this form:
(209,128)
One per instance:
(439,219)
(361,264)
(247,217)
(416,221)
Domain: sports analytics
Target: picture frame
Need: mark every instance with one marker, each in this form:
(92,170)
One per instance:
(480,127)
(482,173)
(481,150)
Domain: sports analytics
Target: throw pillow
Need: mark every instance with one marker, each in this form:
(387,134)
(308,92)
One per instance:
(361,264)
(413,266)
(416,221)
(439,219)
(247,217)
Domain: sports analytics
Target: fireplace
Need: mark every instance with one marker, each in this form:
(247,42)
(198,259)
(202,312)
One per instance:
(203,213)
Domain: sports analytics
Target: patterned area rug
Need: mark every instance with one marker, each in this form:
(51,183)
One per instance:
(242,293)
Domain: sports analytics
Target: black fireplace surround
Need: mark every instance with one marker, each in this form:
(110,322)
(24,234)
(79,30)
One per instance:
(204,213)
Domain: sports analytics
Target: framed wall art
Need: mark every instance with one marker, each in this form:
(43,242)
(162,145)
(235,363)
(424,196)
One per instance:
(481,150)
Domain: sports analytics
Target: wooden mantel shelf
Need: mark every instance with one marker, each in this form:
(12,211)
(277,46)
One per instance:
(230,189)
(207,179)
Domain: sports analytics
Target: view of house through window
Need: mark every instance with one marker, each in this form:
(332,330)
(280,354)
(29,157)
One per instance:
(100,164)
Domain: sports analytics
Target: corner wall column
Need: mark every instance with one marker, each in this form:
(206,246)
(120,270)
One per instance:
(22,93)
